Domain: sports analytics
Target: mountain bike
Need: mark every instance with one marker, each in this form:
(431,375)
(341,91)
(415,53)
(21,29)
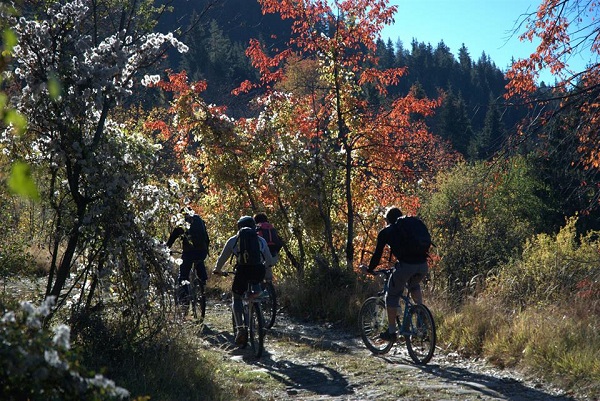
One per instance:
(252,316)
(196,296)
(269,303)
(416,327)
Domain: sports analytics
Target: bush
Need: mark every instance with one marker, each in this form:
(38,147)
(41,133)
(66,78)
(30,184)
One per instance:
(480,217)
(172,365)
(553,268)
(334,295)
(38,364)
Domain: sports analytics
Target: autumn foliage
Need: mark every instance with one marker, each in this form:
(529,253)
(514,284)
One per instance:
(565,29)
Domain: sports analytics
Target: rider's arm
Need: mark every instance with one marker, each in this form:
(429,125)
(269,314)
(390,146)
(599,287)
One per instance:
(225,254)
(381,242)
(264,248)
(177,232)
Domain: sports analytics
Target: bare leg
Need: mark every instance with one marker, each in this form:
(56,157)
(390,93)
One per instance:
(392,313)
(417,295)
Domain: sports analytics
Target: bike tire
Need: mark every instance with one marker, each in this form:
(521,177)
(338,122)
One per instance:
(269,304)
(194,300)
(198,300)
(372,320)
(420,343)
(256,331)
(182,301)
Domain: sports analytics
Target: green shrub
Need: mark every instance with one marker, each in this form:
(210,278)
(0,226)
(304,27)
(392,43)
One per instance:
(334,295)
(479,217)
(553,268)
(172,365)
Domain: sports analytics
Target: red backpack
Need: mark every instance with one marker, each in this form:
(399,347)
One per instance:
(268,232)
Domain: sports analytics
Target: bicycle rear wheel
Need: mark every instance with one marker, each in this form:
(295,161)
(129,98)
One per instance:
(372,320)
(420,343)
(269,304)
(256,331)
(198,300)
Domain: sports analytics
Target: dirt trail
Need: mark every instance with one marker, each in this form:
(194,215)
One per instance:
(307,361)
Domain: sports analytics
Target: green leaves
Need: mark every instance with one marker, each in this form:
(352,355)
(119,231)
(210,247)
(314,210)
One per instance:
(9,39)
(21,181)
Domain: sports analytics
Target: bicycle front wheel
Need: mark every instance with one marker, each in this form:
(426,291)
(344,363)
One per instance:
(256,330)
(269,304)
(420,342)
(372,320)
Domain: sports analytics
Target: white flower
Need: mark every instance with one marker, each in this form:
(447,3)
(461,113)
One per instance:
(150,80)
(62,334)
(8,317)
(51,356)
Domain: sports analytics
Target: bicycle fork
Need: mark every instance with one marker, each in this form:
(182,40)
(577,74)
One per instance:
(406,323)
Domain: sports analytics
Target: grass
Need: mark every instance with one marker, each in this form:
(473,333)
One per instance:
(554,343)
(171,366)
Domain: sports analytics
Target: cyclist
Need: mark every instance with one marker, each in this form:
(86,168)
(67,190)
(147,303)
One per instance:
(266,230)
(407,270)
(195,243)
(245,273)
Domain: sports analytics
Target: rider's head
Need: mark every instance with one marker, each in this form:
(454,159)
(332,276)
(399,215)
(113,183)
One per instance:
(260,218)
(392,214)
(187,213)
(246,221)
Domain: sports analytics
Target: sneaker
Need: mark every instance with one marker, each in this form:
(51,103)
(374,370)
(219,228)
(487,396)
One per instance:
(242,337)
(387,336)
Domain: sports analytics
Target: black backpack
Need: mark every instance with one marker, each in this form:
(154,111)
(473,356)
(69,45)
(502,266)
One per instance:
(415,237)
(197,235)
(249,247)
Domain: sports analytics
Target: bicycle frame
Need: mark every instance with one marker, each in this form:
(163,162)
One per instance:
(417,325)
(196,294)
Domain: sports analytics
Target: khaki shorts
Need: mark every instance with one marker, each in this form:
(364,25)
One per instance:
(406,273)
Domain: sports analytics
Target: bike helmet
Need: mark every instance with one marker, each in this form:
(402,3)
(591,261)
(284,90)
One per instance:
(246,221)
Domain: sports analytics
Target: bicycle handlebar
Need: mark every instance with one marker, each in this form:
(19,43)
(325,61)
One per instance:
(223,273)
(385,272)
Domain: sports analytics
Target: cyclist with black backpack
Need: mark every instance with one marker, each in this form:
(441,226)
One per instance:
(409,242)
(194,250)
(251,256)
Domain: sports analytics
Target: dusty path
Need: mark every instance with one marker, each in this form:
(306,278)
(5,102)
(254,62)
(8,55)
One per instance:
(305,361)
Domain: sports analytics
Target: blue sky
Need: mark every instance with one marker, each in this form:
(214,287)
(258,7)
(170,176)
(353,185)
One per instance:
(482,25)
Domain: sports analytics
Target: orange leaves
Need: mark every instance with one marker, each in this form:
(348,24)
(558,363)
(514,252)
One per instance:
(159,126)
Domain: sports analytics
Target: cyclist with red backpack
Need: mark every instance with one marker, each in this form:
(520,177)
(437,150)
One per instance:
(269,233)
